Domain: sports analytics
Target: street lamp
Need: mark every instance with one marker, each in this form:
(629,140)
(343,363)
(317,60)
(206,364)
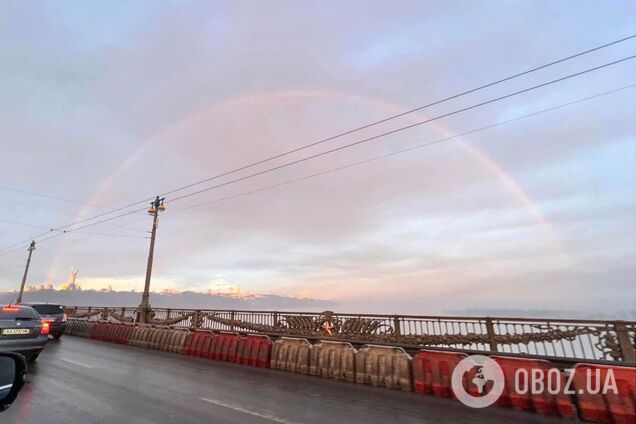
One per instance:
(156,206)
(30,249)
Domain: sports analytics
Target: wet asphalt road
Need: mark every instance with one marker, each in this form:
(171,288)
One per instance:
(79,381)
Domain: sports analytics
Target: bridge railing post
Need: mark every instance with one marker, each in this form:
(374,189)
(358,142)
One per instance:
(396,325)
(628,351)
(195,319)
(490,331)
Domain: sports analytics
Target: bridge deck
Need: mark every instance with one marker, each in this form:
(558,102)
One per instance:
(84,381)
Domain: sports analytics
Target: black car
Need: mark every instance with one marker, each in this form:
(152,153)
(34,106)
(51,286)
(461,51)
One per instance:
(52,313)
(23,331)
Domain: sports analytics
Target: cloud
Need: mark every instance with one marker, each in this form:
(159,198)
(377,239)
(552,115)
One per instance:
(114,107)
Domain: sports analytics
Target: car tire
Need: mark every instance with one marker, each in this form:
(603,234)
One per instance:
(31,357)
(57,336)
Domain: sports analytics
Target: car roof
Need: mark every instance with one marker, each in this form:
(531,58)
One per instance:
(40,303)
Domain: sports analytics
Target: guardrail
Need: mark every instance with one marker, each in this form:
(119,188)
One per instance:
(566,393)
(596,340)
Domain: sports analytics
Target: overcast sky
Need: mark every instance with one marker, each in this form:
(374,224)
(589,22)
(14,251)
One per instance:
(112,102)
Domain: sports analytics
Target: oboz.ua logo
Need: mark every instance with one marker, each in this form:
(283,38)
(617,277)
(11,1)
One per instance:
(485,379)
(478,381)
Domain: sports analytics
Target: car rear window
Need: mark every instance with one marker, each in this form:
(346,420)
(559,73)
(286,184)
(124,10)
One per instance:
(21,313)
(48,309)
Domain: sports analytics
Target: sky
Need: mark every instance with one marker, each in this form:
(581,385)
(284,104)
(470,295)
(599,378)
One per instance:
(108,103)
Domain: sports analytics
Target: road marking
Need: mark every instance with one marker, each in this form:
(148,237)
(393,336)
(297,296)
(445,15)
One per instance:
(247,411)
(77,363)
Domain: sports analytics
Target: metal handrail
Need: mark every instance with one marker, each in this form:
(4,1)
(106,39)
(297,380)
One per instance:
(597,340)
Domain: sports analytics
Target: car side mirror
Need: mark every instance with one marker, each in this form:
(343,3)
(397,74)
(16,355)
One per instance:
(12,369)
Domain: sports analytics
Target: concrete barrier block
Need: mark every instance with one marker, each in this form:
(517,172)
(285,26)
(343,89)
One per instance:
(177,341)
(384,366)
(291,354)
(333,360)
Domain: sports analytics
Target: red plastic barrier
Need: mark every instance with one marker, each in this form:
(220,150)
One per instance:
(123,334)
(187,345)
(612,407)
(116,333)
(109,332)
(254,350)
(97,332)
(207,342)
(432,371)
(519,374)
(224,347)
(192,345)
(202,345)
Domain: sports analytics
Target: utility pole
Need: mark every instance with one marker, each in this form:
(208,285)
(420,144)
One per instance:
(156,206)
(26,271)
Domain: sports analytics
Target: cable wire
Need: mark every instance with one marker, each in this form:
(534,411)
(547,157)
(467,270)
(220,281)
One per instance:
(376,137)
(409,149)
(358,129)
(369,125)
(392,117)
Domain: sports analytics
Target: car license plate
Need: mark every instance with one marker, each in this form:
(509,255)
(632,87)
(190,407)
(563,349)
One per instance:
(14,331)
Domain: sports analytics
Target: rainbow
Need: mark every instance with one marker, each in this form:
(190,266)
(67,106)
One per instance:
(512,186)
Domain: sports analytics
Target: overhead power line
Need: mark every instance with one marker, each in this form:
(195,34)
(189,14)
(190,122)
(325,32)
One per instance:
(369,160)
(113,210)
(48,196)
(23,224)
(369,125)
(397,130)
(392,117)
(409,149)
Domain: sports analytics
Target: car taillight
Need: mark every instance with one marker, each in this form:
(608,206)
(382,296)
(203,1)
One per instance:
(46,327)
(10,309)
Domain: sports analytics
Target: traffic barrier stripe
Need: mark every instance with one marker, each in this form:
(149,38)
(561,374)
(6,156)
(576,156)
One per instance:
(432,372)
(254,350)
(545,402)
(291,354)
(611,407)
(333,360)
(384,366)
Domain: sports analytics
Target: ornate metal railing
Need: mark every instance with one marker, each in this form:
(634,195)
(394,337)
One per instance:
(613,341)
